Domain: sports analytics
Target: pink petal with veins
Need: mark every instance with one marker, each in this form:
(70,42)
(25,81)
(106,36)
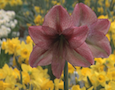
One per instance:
(40,35)
(58,60)
(81,56)
(100,47)
(57,18)
(78,37)
(36,54)
(83,15)
(101,25)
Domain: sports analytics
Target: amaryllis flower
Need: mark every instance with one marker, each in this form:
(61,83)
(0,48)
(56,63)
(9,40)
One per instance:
(96,39)
(58,40)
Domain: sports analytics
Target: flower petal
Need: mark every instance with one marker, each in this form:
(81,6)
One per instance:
(98,43)
(83,15)
(45,59)
(81,56)
(68,32)
(58,60)
(39,56)
(78,37)
(57,18)
(42,36)
(102,25)
(100,47)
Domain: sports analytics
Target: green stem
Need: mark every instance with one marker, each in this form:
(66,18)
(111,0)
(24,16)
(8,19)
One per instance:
(66,76)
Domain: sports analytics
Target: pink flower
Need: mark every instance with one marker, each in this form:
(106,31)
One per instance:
(58,39)
(96,39)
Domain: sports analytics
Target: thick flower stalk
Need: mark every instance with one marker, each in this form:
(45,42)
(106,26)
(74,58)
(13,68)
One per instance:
(72,38)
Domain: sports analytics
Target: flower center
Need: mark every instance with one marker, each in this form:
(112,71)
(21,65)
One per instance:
(61,38)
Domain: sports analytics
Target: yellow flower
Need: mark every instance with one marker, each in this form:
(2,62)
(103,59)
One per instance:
(9,78)
(108,86)
(3,45)
(12,2)
(44,71)
(28,24)
(103,17)
(25,53)
(91,88)
(110,61)
(70,68)
(93,80)
(16,73)
(113,1)
(111,85)
(42,11)
(12,82)
(27,13)
(112,27)
(107,3)
(48,86)
(100,78)
(100,9)
(12,45)
(54,2)
(87,84)
(58,84)
(113,38)
(63,1)
(99,61)
(111,73)
(83,88)
(20,60)
(87,2)
(75,87)
(29,40)
(7,71)
(58,4)
(38,20)
(25,78)
(37,9)
(93,8)
(4,85)
(2,74)
(19,2)
(26,61)
(3,3)
(15,2)
(73,5)
(83,73)
(14,61)
(37,77)
(100,2)
(25,50)
(35,85)
(99,66)
(108,36)
(29,70)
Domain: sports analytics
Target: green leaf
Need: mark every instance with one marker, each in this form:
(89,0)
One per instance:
(4,58)
(20,77)
(18,65)
(32,87)
(99,87)
(89,81)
